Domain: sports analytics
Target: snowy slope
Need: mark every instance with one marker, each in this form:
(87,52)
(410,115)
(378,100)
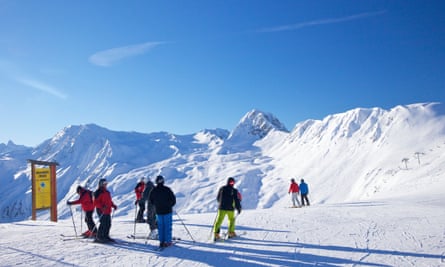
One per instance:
(368,233)
(358,155)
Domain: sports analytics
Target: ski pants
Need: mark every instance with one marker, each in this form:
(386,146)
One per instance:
(220,218)
(104,227)
(294,198)
(141,210)
(151,217)
(165,222)
(89,221)
(304,197)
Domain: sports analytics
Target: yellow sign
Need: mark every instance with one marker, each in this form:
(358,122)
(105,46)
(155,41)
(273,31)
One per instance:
(43,188)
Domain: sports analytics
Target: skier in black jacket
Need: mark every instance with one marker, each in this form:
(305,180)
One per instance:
(228,199)
(163,198)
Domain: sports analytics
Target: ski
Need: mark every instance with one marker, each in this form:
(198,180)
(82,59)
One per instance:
(63,235)
(147,238)
(73,237)
(127,244)
(114,242)
(107,242)
(70,237)
(225,237)
(140,237)
(160,249)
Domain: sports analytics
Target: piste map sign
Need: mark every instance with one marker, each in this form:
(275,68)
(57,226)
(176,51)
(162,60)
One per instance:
(43,188)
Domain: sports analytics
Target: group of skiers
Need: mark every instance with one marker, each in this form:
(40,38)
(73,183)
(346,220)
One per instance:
(101,200)
(158,201)
(295,190)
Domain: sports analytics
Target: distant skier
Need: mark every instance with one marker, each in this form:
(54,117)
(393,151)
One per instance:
(294,189)
(163,198)
(139,190)
(86,202)
(104,204)
(151,211)
(228,200)
(304,191)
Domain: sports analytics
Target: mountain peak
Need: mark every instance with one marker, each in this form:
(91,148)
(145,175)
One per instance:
(254,126)
(258,124)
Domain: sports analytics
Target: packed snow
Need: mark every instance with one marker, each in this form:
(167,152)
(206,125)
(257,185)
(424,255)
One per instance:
(404,232)
(376,181)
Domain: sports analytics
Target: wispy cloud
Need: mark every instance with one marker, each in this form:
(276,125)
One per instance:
(291,27)
(43,87)
(109,57)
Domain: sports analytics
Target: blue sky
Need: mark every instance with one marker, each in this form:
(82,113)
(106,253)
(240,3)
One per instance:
(184,66)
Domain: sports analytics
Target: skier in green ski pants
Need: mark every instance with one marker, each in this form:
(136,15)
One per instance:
(228,199)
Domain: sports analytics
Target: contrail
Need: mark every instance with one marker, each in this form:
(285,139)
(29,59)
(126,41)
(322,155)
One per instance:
(297,26)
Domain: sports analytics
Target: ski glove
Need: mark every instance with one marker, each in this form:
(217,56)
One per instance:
(114,207)
(69,202)
(239,211)
(136,202)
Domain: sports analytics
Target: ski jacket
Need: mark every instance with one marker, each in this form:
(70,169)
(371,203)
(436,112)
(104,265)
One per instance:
(139,189)
(103,201)
(228,198)
(85,200)
(304,189)
(294,188)
(163,199)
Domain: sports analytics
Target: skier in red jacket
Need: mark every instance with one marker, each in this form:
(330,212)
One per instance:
(294,189)
(104,205)
(139,190)
(86,202)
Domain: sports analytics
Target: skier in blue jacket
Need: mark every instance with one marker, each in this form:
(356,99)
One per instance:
(304,191)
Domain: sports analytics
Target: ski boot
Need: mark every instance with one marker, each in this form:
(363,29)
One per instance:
(216,237)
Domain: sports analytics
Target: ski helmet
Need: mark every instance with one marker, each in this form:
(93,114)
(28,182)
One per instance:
(159,179)
(102,182)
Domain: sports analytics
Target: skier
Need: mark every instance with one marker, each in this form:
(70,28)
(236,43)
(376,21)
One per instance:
(294,189)
(228,199)
(138,190)
(104,204)
(304,191)
(86,202)
(163,198)
(151,212)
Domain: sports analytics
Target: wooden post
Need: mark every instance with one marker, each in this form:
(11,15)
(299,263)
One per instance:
(33,190)
(53,193)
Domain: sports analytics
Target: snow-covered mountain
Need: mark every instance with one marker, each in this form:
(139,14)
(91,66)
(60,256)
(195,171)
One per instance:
(356,155)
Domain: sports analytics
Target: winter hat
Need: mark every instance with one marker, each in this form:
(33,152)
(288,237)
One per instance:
(292,180)
(78,189)
(159,179)
(102,182)
(302,180)
(231,181)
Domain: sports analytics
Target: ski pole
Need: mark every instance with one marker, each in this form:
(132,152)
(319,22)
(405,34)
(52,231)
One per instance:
(72,218)
(185,227)
(98,222)
(213,226)
(81,219)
